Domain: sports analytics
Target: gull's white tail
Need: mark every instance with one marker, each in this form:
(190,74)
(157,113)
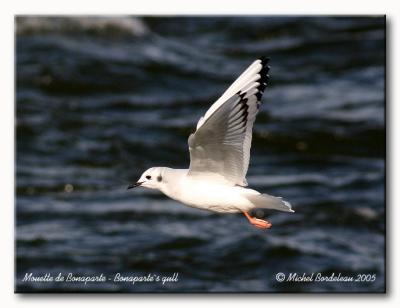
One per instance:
(265,201)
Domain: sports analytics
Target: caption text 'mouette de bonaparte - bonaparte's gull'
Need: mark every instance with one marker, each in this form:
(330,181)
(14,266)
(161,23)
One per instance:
(220,155)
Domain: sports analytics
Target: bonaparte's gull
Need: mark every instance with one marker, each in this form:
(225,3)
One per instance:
(220,154)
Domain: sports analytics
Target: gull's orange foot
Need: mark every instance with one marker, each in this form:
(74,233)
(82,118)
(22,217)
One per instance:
(259,223)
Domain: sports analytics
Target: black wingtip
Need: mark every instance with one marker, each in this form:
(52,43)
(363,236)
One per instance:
(264,60)
(264,79)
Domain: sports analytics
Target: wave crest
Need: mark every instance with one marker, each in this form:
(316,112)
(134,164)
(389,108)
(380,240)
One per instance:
(97,25)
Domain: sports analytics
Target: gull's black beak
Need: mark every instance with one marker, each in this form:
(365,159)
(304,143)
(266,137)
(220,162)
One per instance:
(134,185)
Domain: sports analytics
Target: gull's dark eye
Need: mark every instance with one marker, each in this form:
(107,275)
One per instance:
(148,177)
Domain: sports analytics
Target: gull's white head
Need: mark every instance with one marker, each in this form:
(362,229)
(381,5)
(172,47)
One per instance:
(151,178)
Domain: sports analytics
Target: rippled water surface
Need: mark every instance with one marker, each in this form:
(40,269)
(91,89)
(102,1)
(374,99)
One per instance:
(99,100)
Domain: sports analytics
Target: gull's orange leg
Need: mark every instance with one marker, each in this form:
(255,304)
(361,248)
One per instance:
(259,223)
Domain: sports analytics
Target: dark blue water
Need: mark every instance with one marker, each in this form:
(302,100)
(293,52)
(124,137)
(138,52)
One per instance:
(99,100)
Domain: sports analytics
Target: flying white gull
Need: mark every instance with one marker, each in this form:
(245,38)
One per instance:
(220,154)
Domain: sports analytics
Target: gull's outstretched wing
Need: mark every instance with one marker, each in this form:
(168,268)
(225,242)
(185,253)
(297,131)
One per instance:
(220,147)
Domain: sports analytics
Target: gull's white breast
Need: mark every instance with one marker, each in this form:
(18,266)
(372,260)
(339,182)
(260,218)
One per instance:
(213,196)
